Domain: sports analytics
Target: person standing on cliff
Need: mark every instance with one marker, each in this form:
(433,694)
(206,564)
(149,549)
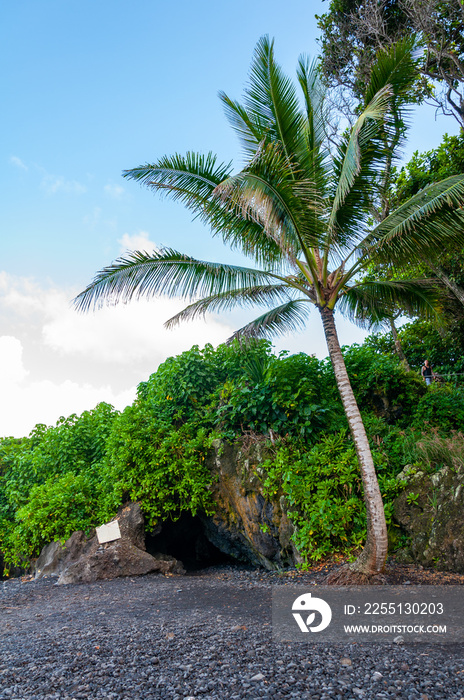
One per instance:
(427,372)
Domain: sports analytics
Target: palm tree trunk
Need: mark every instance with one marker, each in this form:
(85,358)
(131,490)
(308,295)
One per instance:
(372,559)
(398,346)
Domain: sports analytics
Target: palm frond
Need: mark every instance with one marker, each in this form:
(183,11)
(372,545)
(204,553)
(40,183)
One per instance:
(313,155)
(396,66)
(373,303)
(165,272)
(267,192)
(358,150)
(250,133)
(430,220)
(314,102)
(271,110)
(286,318)
(192,179)
(248,296)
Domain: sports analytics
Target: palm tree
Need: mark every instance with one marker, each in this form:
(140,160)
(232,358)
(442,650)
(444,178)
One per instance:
(302,214)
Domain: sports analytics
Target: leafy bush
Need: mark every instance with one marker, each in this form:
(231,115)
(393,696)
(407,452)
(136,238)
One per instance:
(54,510)
(381,384)
(162,468)
(443,407)
(422,340)
(181,385)
(242,387)
(51,465)
(323,491)
(75,444)
(289,399)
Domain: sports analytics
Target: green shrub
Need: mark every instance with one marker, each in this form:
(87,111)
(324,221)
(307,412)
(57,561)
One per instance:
(183,385)
(442,407)
(323,493)
(74,444)
(290,398)
(382,385)
(53,465)
(56,509)
(162,468)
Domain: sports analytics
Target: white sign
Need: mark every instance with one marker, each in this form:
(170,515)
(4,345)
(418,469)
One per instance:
(108,532)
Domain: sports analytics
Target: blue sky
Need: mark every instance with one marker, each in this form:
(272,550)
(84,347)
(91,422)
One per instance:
(94,88)
(90,89)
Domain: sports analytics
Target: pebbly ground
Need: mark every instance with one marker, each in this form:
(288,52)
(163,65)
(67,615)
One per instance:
(202,636)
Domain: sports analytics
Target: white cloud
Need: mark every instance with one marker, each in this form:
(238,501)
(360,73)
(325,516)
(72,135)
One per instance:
(73,361)
(18,162)
(137,241)
(53,184)
(25,298)
(26,404)
(12,370)
(115,191)
(129,332)
(121,334)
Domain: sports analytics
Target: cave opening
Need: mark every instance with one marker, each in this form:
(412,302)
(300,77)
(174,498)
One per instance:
(185,539)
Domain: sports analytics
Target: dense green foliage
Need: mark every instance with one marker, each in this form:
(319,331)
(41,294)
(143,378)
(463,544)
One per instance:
(443,347)
(448,269)
(382,385)
(323,490)
(51,482)
(322,487)
(76,474)
(431,166)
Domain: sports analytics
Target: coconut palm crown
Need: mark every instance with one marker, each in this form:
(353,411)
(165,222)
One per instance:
(302,214)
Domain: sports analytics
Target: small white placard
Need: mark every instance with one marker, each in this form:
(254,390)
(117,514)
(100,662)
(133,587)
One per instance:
(108,532)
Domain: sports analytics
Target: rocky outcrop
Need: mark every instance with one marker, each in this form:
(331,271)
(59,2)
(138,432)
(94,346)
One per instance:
(82,559)
(246,524)
(431,510)
(115,559)
(132,525)
(56,557)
